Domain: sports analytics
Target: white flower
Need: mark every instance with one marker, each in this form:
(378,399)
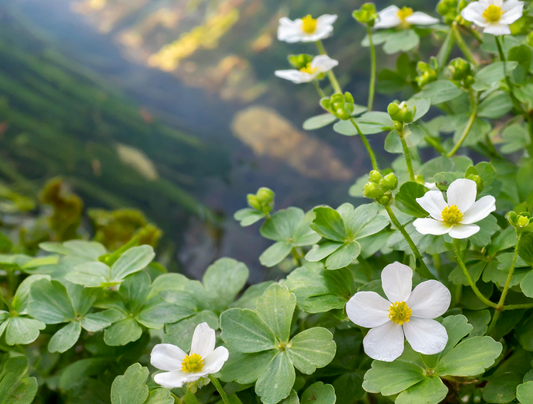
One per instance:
(494,16)
(458,215)
(320,64)
(393,16)
(306,29)
(181,368)
(432,186)
(404,313)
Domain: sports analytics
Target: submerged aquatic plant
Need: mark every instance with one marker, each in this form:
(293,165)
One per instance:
(80,319)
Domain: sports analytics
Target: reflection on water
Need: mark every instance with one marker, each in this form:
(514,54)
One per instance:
(170,105)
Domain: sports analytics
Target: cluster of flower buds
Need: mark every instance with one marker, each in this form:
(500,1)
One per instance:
(427,72)
(522,222)
(401,114)
(460,70)
(340,105)
(379,187)
(451,10)
(262,201)
(366,15)
(300,61)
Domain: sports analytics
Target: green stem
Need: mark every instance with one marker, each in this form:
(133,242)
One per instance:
(446,49)
(517,306)
(3,299)
(367,145)
(515,101)
(371,90)
(175,397)
(506,287)
(463,46)
(468,277)
(424,271)
(296,256)
(436,144)
(469,125)
(475,34)
(331,76)
(407,155)
(219,388)
(318,89)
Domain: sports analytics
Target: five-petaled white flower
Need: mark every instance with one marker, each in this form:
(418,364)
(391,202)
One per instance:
(393,16)
(181,368)
(307,29)
(404,313)
(457,216)
(494,16)
(320,64)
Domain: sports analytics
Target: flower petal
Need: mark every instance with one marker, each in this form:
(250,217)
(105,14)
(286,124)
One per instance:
(384,343)
(326,19)
(433,203)
(295,76)
(289,31)
(167,357)
(429,299)
(388,18)
(323,63)
(497,29)
(368,309)
(419,18)
(397,282)
(512,4)
(430,226)
(498,3)
(215,360)
(463,230)
(321,32)
(203,340)
(473,12)
(462,192)
(479,210)
(175,379)
(425,336)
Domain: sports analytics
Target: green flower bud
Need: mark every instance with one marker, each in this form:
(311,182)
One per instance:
(375,176)
(426,73)
(459,69)
(521,222)
(419,179)
(265,195)
(300,61)
(389,183)
(253,201)
(393,108)
(372,191)
(340,105)
(401,112)
(386,199)
(477,179)
(366,14)
(449,10)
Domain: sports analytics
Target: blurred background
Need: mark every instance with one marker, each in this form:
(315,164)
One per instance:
(171,108)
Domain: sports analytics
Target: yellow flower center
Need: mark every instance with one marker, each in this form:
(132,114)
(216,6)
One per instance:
(308,69)
(192,363)
(308,24)
(403,14)
(493,13)
(399,313)
(451,215)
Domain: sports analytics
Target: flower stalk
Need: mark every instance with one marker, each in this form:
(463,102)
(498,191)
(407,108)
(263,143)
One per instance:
(372,88)
(407,155)
(463,46)
(474,104)
(331,76)
(219,388)
(367,145)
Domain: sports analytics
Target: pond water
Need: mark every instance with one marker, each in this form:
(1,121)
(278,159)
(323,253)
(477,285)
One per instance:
(183,131)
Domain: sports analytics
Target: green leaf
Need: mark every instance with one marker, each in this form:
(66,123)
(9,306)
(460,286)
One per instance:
(22,330)
(430,391)
(390,378)
(502,389)
(180,333)
(319,393)
(134,291)
(362,221)
(525,248)
(320,251)
(457,328)
(318,290)
(133,260)
(21,298)
(406,199)
(85,249)
(329,224)
(440,91)
(50,302)
(527,284)
(224,280)
(65,338)
(94,322)
(90,274)
(274,254)
(401,41)
(343,256)
(319,121)
(130,388)
(246,368)
(156,313)
(248,300)
(311,349)
(14,386)
(470,357)
(524,393)
(276,382)
(282,225)
(522,55)
(491,74)
(168,282)
(122,332)
(244,331)
(348,387)
(495,105)
(276,308)
(248,216)
(160,396)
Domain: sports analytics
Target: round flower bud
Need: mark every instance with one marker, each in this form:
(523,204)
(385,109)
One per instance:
(372,191)
(393,108)
(386,199)
(265,195)
(389,183)
(398,126)
(375,176)
(366,14)
(253,201)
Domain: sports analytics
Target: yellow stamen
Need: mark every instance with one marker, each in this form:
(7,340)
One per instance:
(308,69)
(451,215)
(402,14)
(308,24)
(493,13)
(192,363)
(399,313)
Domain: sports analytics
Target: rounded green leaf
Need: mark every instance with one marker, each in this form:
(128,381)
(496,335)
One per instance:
(319,393)
(132,261)
(22,330)
(524,393)
(274,254)
(390,378)
(329,224)
(50,302)
(276,382)
(430,391)
(65,338)
(311,349)
(276,307)
(130,388)
(224,280)
(244,331)
(122,332)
